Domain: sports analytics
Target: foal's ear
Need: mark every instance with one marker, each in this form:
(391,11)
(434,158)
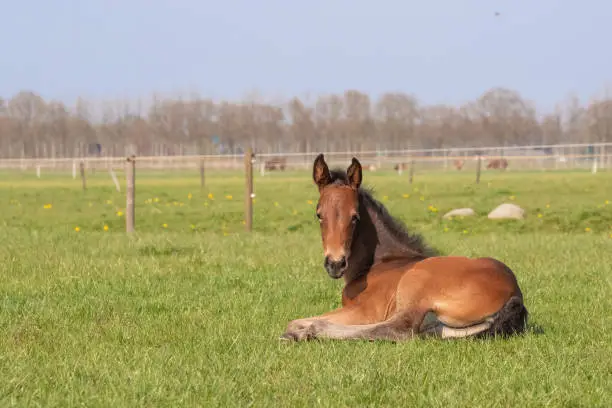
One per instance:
(320,172)
(354,173)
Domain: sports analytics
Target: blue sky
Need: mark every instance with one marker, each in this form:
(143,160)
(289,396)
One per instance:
(440,51)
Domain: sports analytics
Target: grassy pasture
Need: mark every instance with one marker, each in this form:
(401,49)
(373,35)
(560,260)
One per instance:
(188,311)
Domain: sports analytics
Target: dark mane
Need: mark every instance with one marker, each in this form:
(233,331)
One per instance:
(413,242)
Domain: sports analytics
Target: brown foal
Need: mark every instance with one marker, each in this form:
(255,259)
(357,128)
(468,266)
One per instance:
(396,287)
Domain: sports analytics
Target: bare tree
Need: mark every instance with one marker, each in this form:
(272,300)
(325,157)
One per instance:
(599,116)
(302,126)
(33,127)
(397,117)
(506,117)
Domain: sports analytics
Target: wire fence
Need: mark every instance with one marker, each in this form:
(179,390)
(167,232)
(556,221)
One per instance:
(568,157)
(543,157)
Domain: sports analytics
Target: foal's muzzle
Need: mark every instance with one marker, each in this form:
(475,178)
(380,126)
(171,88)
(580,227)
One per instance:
(335,268)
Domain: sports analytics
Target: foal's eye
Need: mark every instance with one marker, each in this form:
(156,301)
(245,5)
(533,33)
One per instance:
(319,217)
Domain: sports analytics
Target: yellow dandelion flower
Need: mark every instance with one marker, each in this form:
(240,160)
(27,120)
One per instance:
(119,213)
(165,225)
(587,229)
(610,235)
(294,212)
(109,202)
(90,204)
(47,206)
(243,222)
(607,202)
(406,195)
(276,203)
(465,231)
(105,228)
(189,196)
(156,200)
(225,234)
(229,197)
(539,215)
(422,198)
(192,226)
(77,229)
(547,205)
(254,201)
(309,202)
(512,197)
(445,229)
(385,198)
(210,196)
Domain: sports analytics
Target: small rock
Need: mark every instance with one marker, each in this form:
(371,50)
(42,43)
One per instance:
(507,211)
(460,212)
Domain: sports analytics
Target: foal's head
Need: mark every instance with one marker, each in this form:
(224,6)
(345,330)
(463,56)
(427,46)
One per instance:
(338,213)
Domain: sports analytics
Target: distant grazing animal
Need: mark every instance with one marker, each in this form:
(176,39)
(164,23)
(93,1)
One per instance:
(275,164)
(498,164)
(459,164)
(396,287)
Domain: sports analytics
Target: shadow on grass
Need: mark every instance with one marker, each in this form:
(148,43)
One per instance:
(151,250)
(534,329)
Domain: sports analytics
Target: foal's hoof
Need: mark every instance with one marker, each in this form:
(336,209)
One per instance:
(287,337)
(305,334)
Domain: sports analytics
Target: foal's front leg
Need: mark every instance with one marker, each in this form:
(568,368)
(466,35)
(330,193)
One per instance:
(307,328)
(402,326)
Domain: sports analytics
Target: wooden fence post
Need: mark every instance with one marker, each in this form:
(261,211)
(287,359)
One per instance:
(248,199)
(478,166)
(130,174)
(202,174)
(83,179)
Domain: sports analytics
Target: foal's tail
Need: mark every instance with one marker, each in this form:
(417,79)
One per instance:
(511,319)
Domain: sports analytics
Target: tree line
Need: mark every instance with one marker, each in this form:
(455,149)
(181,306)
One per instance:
(33,127)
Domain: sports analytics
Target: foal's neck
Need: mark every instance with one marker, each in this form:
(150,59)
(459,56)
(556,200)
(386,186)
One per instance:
(388,244)
(377,240)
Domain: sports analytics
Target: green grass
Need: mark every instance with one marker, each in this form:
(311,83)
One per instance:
(188,314)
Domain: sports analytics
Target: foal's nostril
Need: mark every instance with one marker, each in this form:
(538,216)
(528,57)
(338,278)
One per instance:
(342,263)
